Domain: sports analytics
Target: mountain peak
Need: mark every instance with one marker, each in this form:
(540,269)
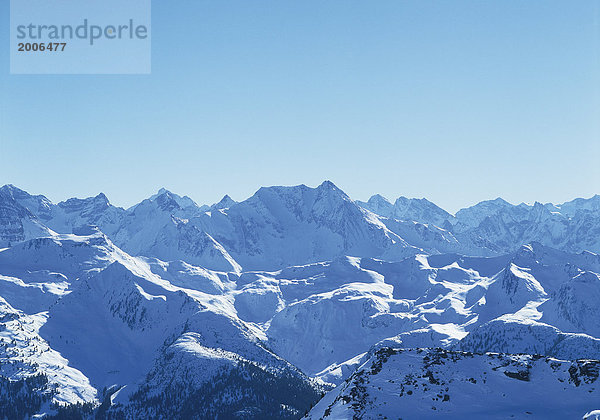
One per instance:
(164,193)
(379,200)
(325,189)
(500,201)
(168,200)
(225,202)
(497,202)
(98,202)
(102,198)
(330,187)
(8,187)
(14,192)
(327,185)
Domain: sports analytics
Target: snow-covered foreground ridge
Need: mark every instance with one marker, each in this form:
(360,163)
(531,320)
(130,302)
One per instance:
(259,308)
(436,383)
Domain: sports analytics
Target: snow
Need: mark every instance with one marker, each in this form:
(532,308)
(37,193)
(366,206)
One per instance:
(24,353)
(304,281)
(421,384)
(592,415)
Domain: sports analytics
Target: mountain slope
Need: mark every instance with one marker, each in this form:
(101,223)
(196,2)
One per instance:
(436,383)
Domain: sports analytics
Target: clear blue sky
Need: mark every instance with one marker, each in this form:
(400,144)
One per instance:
(450,100)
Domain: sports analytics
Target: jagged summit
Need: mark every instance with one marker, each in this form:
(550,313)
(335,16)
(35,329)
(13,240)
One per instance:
(414,209)
(225,202)
(167,202)
(99,202)
(165,196)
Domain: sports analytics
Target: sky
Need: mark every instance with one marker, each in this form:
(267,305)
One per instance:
(456,101)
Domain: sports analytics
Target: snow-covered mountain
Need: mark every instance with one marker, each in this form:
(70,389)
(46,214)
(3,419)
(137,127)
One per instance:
(255,309)
(495,226)
(19,213)
(436,383)
(537,223)
(414,209)
(111,320)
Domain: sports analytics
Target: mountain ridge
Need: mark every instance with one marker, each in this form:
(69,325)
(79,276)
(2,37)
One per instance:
(296,287)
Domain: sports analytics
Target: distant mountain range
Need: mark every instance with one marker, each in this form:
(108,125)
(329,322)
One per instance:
(259,308)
